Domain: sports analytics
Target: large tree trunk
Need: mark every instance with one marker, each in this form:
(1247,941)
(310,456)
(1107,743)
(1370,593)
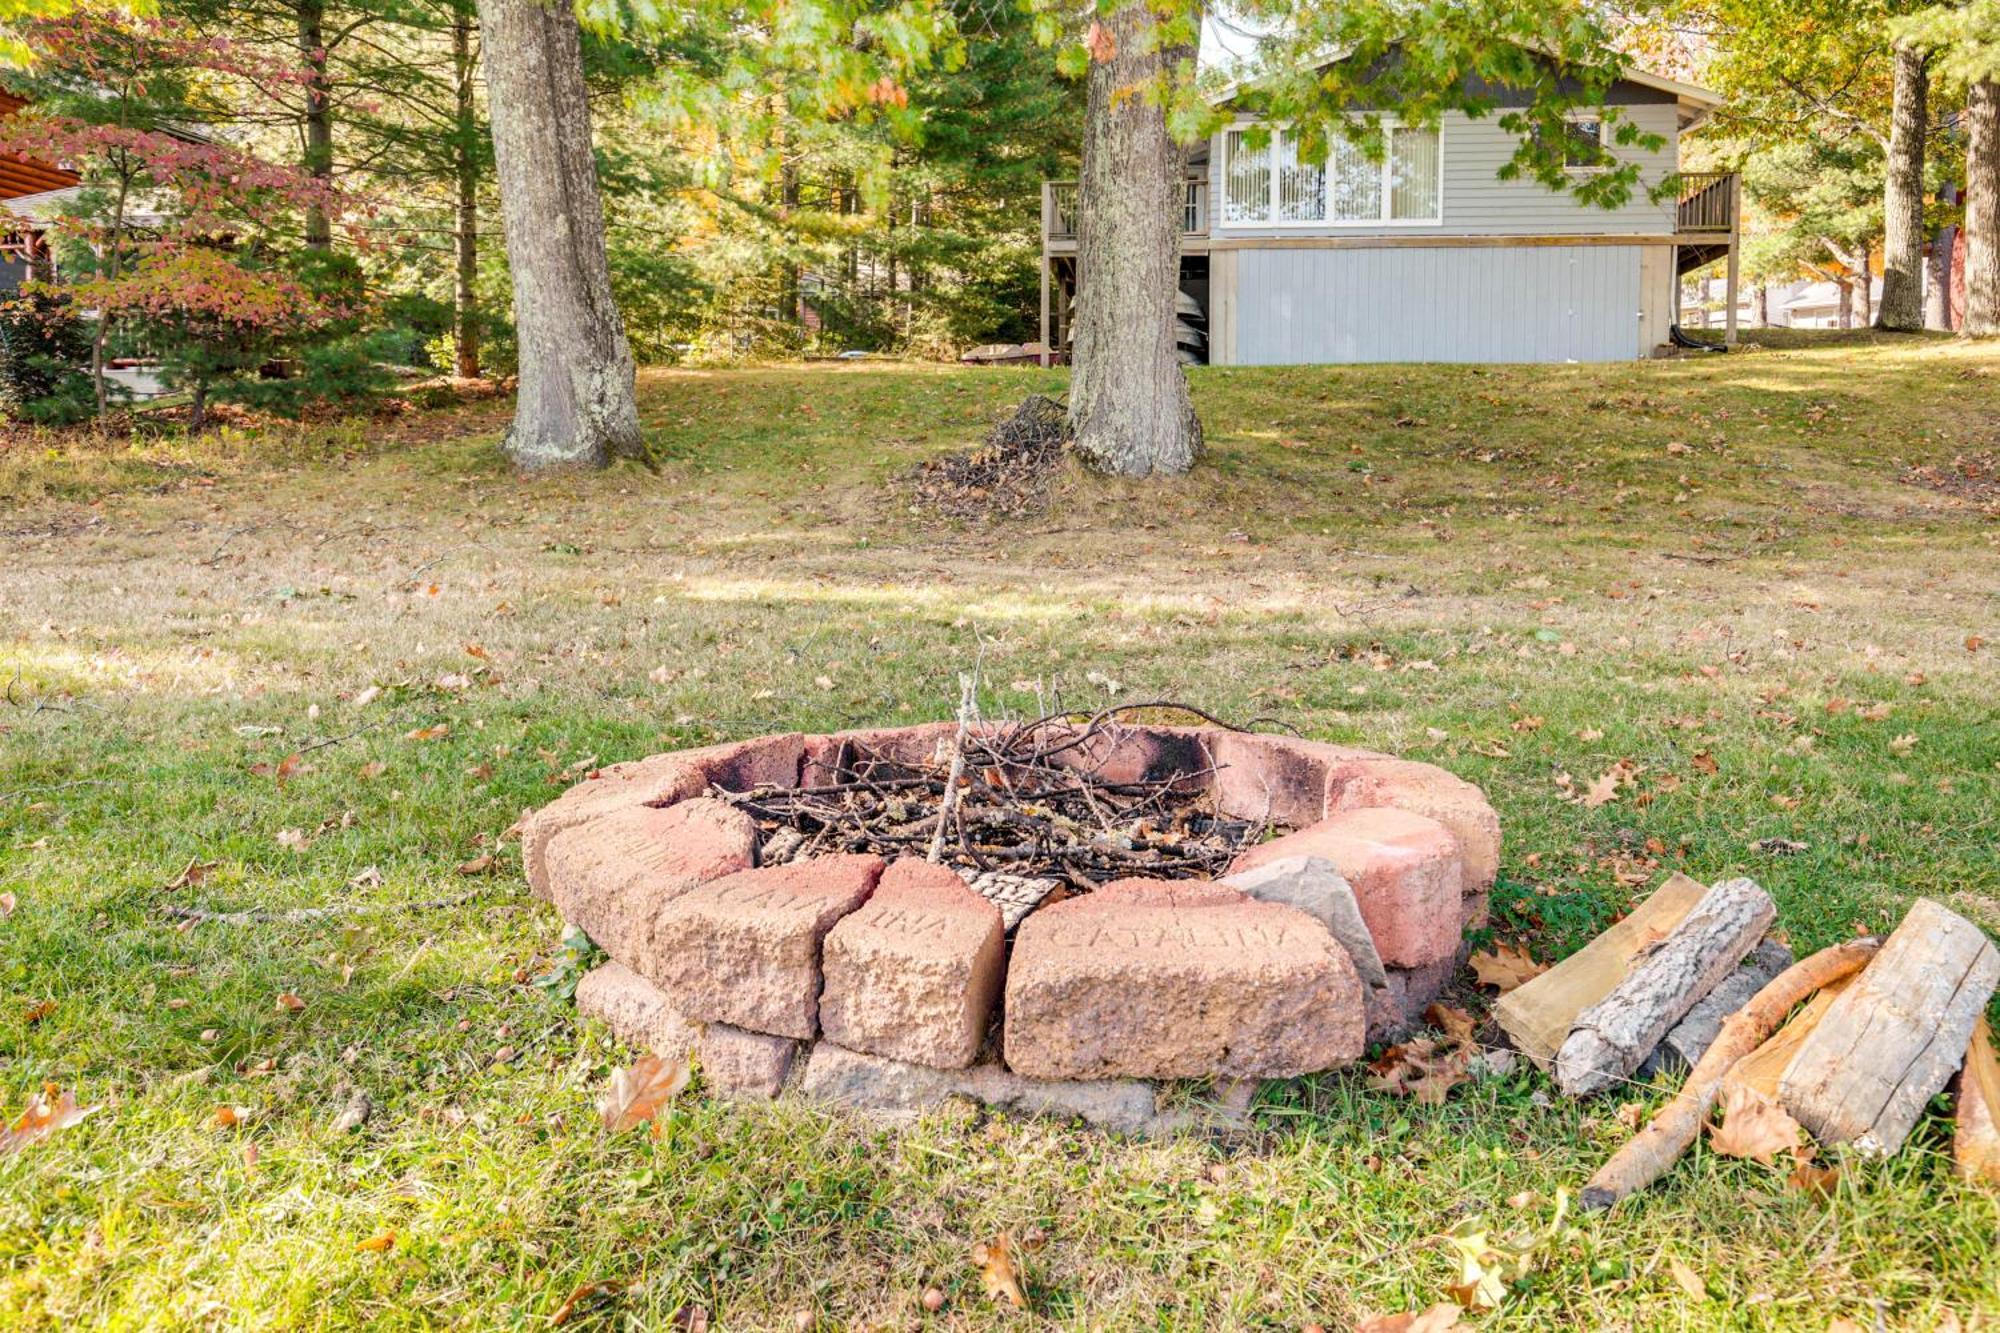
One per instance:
(318,160)
(1937,287)
(577,405)
(1982,209)
(1129,407)
(1903,196)
(1864,283)
(465,234)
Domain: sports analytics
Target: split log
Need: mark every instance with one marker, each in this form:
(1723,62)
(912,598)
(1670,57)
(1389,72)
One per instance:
(1892,1040)
(1760,1070)
(1614,1036)
(1537,1015)
(1975,1143)
(1648,1154)
(1684,1045)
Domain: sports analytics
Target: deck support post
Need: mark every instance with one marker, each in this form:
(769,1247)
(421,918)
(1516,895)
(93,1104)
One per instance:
(1735,258)
(1047,209)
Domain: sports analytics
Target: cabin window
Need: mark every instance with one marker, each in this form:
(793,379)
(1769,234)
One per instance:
(1273,186)
(1583,144)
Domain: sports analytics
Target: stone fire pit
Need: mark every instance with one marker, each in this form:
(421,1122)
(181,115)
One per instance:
(892,983)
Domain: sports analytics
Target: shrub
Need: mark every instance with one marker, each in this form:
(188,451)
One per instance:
(45,358)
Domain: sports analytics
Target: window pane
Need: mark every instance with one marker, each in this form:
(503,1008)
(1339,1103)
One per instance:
(1413,174)
(1353,184)
(1583,144)
(1247,190)
(1301,186)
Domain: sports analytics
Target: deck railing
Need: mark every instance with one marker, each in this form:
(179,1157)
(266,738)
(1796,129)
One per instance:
(1707,201)
(1059,210)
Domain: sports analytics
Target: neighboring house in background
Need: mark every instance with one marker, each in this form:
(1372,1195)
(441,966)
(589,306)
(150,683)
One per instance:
(1428,255)
(27,189)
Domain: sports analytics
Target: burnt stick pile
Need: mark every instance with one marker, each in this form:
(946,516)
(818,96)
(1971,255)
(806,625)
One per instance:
(1032,802)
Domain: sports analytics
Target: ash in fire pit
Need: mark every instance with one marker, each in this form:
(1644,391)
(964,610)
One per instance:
(1237,905)
(1037,806)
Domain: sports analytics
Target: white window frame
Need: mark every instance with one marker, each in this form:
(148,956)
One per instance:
(1606,142)
(1218,209)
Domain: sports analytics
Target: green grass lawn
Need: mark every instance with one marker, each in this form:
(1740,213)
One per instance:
(1770,582)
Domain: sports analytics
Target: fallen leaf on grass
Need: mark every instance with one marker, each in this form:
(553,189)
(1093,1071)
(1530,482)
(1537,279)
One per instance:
(230,1117)
(8,902)
(1457,1025)
(381,1241)
(47,1111)
(999,1271)
(368,877)
(37,1012)
(432,733)
(290,1003)
(1808,1178)
(587,1292)
(1754,1126)
(638,1094)
(1440,1318)
(478,865)
(373,769)
(1687,1279)
(1903,744)
(1603,791)
(193,873)
(1426,1070)
(1505,967)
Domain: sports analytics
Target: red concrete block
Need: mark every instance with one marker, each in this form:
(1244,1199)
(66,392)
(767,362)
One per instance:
(1147,979)
(1428,790)
(660,780)
(1405,870)
(610,876)
(913,974)
(1279,779)
(745,949)
(635,1010)
(927,744)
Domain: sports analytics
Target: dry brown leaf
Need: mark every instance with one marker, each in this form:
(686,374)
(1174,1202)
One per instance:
(1505,967)
(1440,1318)
(1754,1126)
(37,1012)
(478,865)
(193,873)
(1807,1178)
(1000,1271)
(1687,1279)
(1426,1070)
(47,1111)
(431,733)
(588,1291)
(1457,1025)
(373,769)
(8,902)
(230,1117)
(637,1094)
(1101,42)
(290,1003)
(289,767)
(383,1240)
(1603,791)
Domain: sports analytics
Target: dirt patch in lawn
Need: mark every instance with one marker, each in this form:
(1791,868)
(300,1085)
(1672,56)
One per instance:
(1972,478)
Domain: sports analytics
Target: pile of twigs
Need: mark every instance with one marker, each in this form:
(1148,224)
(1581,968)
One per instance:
(1010,475)
(1031,801)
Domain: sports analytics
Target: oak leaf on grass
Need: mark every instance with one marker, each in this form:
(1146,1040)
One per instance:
(639,1093)
(1755,1127)
(1505,966)
(1000,1270)
(47,1111)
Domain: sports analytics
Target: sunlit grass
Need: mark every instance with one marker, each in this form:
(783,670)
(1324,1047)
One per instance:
(1528,587)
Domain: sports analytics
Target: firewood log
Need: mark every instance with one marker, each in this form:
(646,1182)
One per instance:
(1614,1036)
(1648,1154)
(1893,1039)
(1975,1142)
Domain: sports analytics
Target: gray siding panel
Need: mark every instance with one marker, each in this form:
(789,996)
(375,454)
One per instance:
(1476,202)
(1472,303)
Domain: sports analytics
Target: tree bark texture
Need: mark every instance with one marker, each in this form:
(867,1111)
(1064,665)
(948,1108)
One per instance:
(1937,289)
(1893,1039)
(1982,209)
(1613,1037)
(1903,196)
(576,405)
(465,232)
(318,127)
(1129,412)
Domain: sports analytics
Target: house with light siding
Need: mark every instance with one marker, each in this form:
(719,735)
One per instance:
(1426,254)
